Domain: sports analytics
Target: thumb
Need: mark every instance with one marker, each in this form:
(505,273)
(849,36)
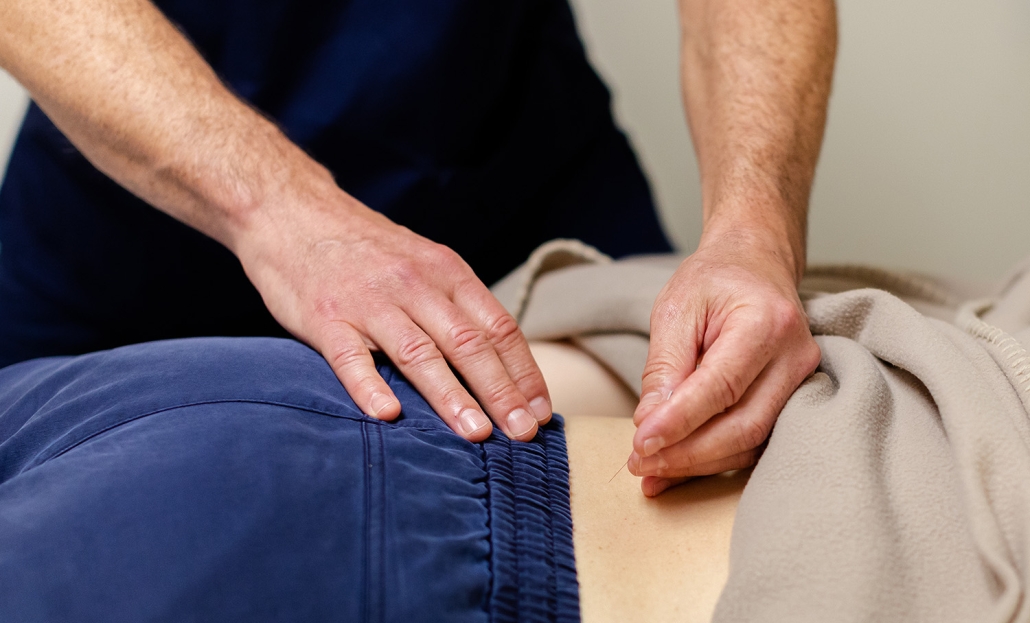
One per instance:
(671,358)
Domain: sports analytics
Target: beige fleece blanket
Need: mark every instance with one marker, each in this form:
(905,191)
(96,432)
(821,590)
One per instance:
(896,483)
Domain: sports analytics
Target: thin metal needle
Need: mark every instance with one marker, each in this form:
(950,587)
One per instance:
(624,466)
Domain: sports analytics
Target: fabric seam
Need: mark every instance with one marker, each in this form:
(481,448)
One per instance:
(364,419)
(367,555)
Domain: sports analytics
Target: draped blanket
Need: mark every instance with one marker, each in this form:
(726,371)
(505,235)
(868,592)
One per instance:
(896,483)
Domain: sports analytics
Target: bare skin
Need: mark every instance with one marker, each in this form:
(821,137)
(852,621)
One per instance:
(139,102)
(142,105)
(638,559)
(729,338)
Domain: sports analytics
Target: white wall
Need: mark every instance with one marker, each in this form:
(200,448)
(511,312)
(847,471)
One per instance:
(635,47)
(12,106)
(926,163)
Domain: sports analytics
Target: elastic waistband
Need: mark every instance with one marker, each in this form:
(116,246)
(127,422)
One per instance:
(533,560)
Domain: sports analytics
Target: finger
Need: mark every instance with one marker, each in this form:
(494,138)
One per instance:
(471,352)
(743,427)
(734,360)
(648,401)
(672,355)
(418,358)
(655,484)
(509,343)
(345,350)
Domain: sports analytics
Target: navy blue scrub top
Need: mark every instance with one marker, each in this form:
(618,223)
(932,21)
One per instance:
(478,124)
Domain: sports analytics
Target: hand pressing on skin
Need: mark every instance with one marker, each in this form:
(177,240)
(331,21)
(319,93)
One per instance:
(729,344)
(348,281)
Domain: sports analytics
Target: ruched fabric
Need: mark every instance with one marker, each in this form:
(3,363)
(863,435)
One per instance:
(218,479)
(535,577)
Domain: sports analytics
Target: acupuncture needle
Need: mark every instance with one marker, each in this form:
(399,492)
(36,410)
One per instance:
(624,466)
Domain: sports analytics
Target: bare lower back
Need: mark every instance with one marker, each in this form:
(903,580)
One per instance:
(639,559)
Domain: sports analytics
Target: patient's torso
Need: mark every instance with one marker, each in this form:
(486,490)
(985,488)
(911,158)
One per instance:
(638,559)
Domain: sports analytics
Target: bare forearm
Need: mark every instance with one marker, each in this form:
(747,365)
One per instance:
(142,105)
(729,337)
(139,102)
(756,80)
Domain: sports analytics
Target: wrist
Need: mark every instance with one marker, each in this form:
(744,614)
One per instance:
(274,185)
(766,236)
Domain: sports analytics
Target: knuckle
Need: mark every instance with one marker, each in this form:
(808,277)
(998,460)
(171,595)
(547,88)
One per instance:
(688,457)
(661,365)
(527,379)
(347,357)
(503,330)
(746,459)
(750,434)
(371,385)
(415,349)
(784,319)
(665,313)
(444,258)
(466,340)
(811,357)
(454,394)
(406,272)
(728,387)
(499,393)
(327,308)
(741,461)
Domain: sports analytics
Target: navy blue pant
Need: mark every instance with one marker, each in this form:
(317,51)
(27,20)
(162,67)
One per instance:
(234,480)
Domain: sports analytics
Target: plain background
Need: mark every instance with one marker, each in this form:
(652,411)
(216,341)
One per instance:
(926,163)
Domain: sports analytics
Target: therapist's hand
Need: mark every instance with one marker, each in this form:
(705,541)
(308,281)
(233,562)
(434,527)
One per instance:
(348,281)
(729,344)
(135,97)
(729,338)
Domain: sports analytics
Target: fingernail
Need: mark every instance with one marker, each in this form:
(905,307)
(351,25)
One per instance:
(647,403)
(652,445)
(520,422)
(471,421)
(380,402)
(541,408)
(633,462)
(652,463)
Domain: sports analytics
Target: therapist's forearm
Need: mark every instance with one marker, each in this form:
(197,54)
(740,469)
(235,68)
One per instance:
(730,341)
(141,104)
(756,81)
